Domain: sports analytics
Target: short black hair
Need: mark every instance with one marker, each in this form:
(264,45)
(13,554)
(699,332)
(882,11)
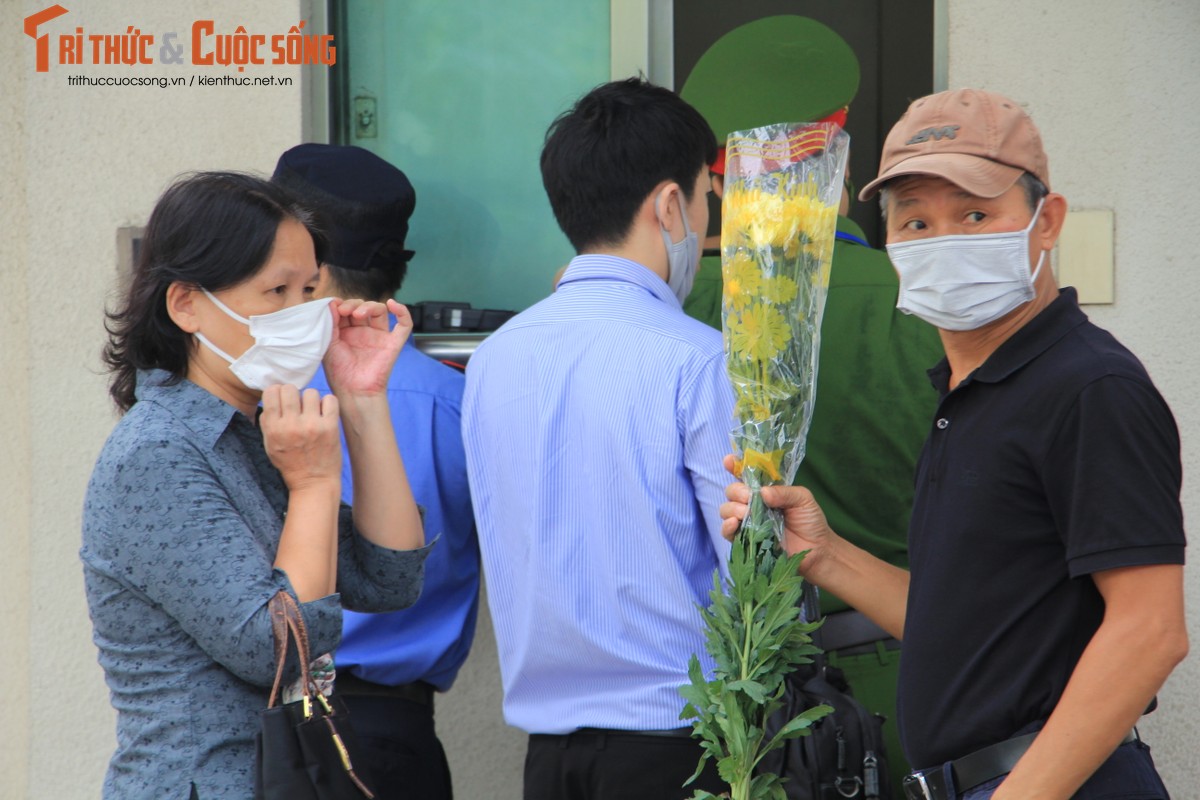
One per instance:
(603,156)
(367,284)
(211,230)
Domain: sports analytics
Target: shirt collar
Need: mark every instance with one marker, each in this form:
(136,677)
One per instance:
(847,225)
(1034,338)
(610,268)
(205,414)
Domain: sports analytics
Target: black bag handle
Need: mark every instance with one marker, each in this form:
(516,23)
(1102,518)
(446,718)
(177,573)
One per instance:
(287,623)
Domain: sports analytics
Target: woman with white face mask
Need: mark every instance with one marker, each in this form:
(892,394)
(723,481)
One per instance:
(203,505)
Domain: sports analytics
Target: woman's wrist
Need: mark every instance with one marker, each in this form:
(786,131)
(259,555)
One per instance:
(361,409)
(315,489)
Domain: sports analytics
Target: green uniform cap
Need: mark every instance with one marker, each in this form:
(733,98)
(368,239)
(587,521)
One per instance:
(776,69)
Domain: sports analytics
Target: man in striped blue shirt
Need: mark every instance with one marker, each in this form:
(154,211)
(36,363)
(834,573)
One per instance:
(595,423)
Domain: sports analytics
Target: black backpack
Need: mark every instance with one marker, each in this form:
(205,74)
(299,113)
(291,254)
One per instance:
(843,756)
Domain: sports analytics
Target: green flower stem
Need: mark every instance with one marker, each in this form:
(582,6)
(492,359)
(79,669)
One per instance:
(747,613)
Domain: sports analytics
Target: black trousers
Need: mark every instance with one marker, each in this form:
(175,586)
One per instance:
(615,766)
(405,759)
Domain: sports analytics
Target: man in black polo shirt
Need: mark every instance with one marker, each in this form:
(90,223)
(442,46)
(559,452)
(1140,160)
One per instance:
(1044,607)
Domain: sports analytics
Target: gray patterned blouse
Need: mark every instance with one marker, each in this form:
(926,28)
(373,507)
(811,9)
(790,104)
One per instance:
(180,525)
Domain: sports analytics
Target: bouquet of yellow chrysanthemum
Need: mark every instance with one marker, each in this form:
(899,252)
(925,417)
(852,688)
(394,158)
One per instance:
(779,218)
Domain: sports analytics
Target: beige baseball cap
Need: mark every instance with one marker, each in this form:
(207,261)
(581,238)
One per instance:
(980,141)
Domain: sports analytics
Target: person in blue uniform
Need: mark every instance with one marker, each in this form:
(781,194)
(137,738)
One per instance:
(390,666)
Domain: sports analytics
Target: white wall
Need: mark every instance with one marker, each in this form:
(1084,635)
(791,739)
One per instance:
(1114,87)
(15,475)
(78,162)
(1113,84)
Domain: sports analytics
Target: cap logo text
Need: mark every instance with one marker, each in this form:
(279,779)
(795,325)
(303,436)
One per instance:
(946,132)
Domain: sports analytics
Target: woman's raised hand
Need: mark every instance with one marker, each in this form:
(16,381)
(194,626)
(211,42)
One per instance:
(363,350)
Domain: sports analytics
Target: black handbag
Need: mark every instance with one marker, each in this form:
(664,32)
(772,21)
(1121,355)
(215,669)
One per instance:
(843,757)
(304,749)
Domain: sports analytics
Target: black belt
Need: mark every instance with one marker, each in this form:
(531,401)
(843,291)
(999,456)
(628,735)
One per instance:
(872,648)
(418,691)
(672,733)
(974,769)
(851,633)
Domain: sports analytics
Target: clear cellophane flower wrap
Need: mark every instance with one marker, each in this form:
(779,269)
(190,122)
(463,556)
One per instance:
(783,185)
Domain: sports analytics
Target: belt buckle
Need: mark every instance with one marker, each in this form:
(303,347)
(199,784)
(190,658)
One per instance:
(916,787)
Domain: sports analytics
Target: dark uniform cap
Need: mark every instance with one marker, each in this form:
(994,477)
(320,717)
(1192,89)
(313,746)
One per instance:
(366,200)
(785,68)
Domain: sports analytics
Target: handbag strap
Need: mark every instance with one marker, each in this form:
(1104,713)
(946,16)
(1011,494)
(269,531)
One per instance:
(810,611)
(288,623)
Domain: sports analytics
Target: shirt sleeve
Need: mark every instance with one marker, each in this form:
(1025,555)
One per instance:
(165,528)
(706,418)
(1113,478)
(372,578)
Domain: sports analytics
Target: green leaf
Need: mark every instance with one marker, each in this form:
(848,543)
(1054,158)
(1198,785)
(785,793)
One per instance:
(799,726)
(697,698)
(730,770)
(754,689)
(699,769)
(768,786)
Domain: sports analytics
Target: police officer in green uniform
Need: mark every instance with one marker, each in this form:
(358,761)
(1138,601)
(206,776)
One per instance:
(873,400)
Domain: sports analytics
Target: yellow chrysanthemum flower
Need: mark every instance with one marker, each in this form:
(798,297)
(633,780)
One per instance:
(753,403)
(735,214)
(759,333)
(771,225)
(812,216)
(792,248)
(759,218)
(750,409)
(780,290)
(742,278)
(819,277)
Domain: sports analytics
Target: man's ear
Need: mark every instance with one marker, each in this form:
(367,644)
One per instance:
(664,204)
(718,185)
(1050,222)
(181,308)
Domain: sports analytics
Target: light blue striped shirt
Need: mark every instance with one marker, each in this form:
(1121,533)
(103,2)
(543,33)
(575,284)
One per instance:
(595,423)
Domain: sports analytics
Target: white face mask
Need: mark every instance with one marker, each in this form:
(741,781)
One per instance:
(288,344)
(963,282)
(683,257)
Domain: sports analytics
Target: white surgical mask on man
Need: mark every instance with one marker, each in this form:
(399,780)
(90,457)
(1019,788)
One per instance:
(288,344)
(965,281)
(683,256)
